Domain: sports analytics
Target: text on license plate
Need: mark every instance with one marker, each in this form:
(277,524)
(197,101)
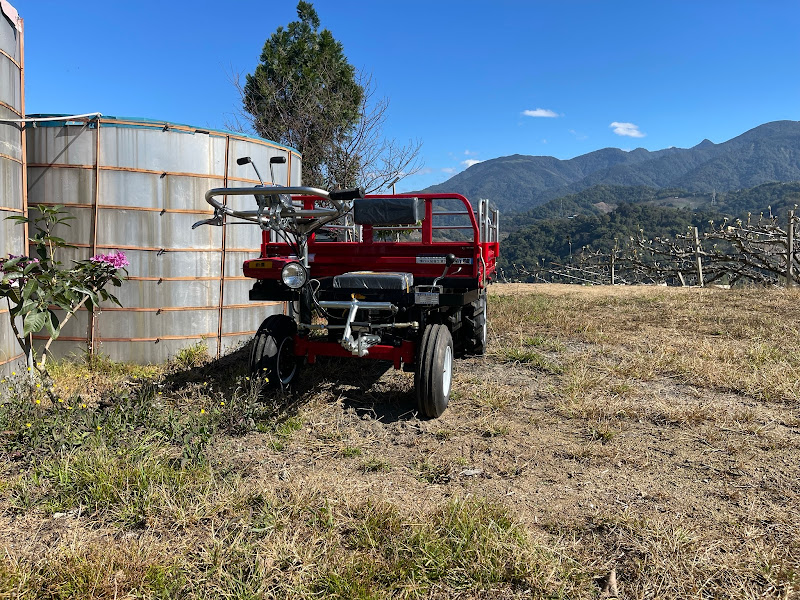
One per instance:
(260,264)
(426,297)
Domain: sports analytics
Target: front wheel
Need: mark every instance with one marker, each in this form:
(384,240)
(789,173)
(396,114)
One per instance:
(434,372)
(272,355)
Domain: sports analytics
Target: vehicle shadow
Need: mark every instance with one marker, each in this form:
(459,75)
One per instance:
(360,385)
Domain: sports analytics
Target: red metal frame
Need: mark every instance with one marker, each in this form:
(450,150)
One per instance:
(327,259)
(311,349)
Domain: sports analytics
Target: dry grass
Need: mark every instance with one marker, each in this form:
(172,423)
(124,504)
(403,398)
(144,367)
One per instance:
(646,432)
(735,340)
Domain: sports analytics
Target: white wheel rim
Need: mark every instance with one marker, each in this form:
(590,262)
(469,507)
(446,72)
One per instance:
(447,371)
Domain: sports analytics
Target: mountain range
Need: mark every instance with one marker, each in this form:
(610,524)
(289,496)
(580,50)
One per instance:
(767,153)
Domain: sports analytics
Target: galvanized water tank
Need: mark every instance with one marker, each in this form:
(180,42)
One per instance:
(137,185)
(12,155)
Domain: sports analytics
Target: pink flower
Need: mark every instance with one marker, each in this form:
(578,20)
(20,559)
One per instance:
(21,264)
(116,260)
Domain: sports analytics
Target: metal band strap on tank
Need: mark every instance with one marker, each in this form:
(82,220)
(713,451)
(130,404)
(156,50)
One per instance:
(192,308)
(11,158)
(201,278)
(170,308)
(138,170)
(177,211)
(200,336)
(10,58)
(5,361)
(12,109)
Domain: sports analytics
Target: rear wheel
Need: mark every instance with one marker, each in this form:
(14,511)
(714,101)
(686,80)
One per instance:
(272,355)
(434,372)
(476,330)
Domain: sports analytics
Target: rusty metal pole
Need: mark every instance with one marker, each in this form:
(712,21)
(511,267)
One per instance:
(91,334)
(223,249)
(25,231)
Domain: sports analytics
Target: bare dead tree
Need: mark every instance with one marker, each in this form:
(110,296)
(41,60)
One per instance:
(358,154)
(363,156)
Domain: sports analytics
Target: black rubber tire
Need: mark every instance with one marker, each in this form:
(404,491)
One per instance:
(475,326)
(422,352)
(272,354)
(434,374)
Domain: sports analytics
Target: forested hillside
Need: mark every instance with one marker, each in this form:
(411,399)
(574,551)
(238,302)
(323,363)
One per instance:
(543,235)
(768,153)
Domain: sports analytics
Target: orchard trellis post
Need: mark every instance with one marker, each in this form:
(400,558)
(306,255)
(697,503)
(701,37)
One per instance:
(790,250)
(697,251)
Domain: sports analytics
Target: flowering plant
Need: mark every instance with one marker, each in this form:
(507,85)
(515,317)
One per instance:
(34,287)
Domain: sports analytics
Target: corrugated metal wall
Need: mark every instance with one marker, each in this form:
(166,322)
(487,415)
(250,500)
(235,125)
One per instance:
(12,169)
(138,185)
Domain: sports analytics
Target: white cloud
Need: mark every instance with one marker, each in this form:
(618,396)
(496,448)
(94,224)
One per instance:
(544,141)
(448,170)
(627,129)
(578,136)
(469,153)
(540,112)
(470,161)
(425,171)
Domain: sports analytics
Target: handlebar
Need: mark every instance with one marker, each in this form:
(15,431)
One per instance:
(252,215)
(321,216)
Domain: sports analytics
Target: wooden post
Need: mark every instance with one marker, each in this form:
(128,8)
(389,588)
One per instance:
(613,260)
(697,256)
(790,251)
(612,269)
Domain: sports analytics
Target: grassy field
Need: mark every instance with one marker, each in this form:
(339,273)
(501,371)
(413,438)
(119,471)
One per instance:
(631,442)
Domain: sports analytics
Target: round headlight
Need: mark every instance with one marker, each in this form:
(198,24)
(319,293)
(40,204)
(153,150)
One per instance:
(294,275)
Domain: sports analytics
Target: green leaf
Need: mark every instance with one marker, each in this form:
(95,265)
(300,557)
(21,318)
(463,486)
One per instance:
(114,300)
(29,288)
(12,262)
(26,307)
(33,323)
(30,267)
(53,326)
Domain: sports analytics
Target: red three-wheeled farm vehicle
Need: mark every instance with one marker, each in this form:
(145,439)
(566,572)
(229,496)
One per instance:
(400,278)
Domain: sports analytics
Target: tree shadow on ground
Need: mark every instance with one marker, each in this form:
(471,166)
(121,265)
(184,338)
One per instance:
(222,373)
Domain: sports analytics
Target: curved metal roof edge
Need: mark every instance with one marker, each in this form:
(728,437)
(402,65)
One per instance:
(145,121)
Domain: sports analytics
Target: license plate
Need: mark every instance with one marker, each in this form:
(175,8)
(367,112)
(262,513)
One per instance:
(426,297)
(260,264)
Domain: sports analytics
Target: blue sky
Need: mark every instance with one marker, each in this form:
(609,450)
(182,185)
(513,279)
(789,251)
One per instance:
(471,80)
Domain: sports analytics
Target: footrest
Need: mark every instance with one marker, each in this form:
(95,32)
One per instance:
(374,280)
